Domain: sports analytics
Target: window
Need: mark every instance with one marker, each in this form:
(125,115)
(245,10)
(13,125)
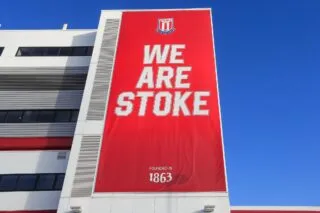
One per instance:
(31,182)
(45,182)
(59,182)
(74,116)
(8,182)
(46,116)
(1,50)
(62,116)
(3,115)
(65,51)
(38,116)
(38,51)
(14,117)
(26,182)
(24,51)
(79,51)
(52,51)
(89,51)
(55,51)
(30,116)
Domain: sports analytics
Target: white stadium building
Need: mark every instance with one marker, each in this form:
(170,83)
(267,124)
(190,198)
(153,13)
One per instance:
(55,91)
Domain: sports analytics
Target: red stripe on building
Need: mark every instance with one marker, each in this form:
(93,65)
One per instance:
(42,143)
(30,211)
(275,211)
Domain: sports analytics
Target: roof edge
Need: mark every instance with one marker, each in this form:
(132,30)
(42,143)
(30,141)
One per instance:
(163,9)
(33,30)
(279,208)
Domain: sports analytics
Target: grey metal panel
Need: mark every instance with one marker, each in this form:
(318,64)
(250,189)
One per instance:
(43,82)
(43,70)
(98,99)
(37,129)
(64,99)
(86,166)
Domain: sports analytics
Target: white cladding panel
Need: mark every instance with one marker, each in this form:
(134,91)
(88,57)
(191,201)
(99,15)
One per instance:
(23,162)
(50,99)
(37,129)
(13,39)
(13,201)
(45,61)
(41,70)
(146,203)
(275,208)
(47,37)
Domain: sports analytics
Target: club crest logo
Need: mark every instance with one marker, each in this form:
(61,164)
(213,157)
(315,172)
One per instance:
(165,25)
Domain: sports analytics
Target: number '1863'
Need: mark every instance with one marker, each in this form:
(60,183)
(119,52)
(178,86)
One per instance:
(164,177)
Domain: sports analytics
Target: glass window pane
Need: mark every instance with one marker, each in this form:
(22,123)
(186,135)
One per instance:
(3,115)
(39,51)
(46,116)
(65,51)
(79,51)
(59,182)
(45,182)
(19,52)
(24,51)
(14,116)
(8,182)
(89,51)
(26,182)
(30,116)
(62,116)
(52,51)
(74,117)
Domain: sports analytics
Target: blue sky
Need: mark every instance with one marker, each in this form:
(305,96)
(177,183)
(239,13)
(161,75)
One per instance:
(268,56)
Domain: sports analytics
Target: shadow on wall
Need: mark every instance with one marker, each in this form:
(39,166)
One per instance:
(49,200)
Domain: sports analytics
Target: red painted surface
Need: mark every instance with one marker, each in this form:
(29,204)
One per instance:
(232,211)
(30,211)
(184,148)
(274,211)
(54,143)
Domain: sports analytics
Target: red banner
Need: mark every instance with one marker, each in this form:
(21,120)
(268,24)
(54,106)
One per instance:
(162,130)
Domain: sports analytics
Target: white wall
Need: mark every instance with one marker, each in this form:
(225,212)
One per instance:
(11,201)
(148,203)
(275,208)
(12,39)
(19,162)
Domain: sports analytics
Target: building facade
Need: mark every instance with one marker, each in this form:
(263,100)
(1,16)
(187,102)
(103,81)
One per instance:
(54,90)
